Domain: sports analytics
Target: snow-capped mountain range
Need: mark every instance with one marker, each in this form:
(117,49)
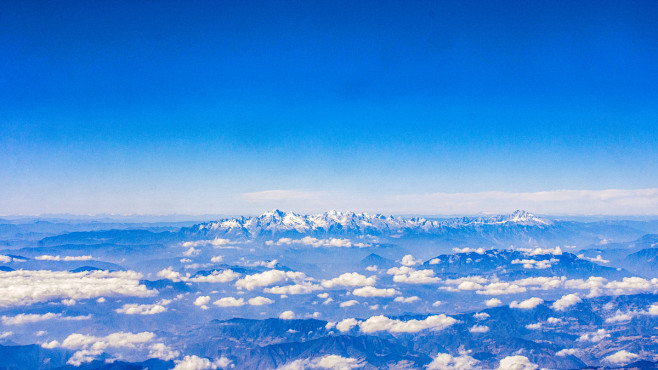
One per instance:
(350,223)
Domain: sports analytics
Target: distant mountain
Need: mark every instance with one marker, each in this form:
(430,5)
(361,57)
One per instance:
(349,223)
(514,264)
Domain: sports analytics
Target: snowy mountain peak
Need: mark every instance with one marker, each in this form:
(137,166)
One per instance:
(351,223)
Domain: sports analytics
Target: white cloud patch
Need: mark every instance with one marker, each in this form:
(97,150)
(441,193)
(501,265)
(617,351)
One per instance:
(621,358)
(534,264)
(301,288)
(46,257)
(349,303)
(493,302)
(594,337)
(409,275)
(346,325)
(598,259)
(334,362)
(371,291)
(469,250)
(287,315)
(527,304)
(25,287)
(144,309)
(411,299)
(516,363)
(317,243)
(445,361)
(259,301)
(479,329)
(223,276)
(201,363)
(566,301)
(217,242)
(353,279)
(32,318)
(383,323)
(89,347)
(229,302)
(267,278)
(409,261)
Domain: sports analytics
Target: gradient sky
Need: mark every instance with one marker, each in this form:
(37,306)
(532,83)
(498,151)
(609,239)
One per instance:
(431,107)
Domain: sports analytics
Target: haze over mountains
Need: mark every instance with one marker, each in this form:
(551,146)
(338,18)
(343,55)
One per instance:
(332,290)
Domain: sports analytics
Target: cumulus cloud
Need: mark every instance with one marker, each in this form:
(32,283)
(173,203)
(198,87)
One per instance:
(444,361)
(598,259)
(409,275)
(516,363)
(346,325)
(25,287)
(481,315)
(229,302)
(287,315)
(259,301)
(217,242)
(350,280)
(383,323)
(202,301)
(469,250)
(621,317)
(349,303)
(334,362)
(144,309)
(371,291)
(566,352)
(501,288)
(46,257)
(566,301)
(479,329)
(223,276)
(202,363)
(535,326)
(161,351)
(594,337)
(317,243)
(217,259)
(411,299)
(531,263)
(527,304)
(621,358)
(32,318)
(301,288)
(493,302)
(89,347)
(409,260)
(653,309)
(267,278)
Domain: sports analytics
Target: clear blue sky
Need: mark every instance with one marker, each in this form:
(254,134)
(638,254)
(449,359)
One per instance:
(184,106)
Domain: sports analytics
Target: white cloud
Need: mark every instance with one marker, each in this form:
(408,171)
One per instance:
(259,301)
(202,301)
(481,315)
(620,317)
(287,315)
(653,309)
(598,259)
(501,288)
(6,334)
(191,252)
(444,361)
(531,263)
(172,275)
(317,243)
(143,309)
(32,318)
(383,323)
(409,275)
(409,260)
(89,347)
(223,276)
(217,242)
(437,304)
(372,268)
(411,299)
(516,363)
(334,362)
(217,259)
(493,302)
(371,291)
(535,326)
(621,358)
(566,352)
(46,257)
(5,259)
(350,280)
(479,329)
(349,303)
(594,337)
(229,302)
(161,351)
(527,304)
(267,278)
(301,288)
(566,301)
(25,287)
(346,325)
(200,363)
(469,250)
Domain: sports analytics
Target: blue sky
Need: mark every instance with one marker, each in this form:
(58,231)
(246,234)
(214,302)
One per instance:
(241,106)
